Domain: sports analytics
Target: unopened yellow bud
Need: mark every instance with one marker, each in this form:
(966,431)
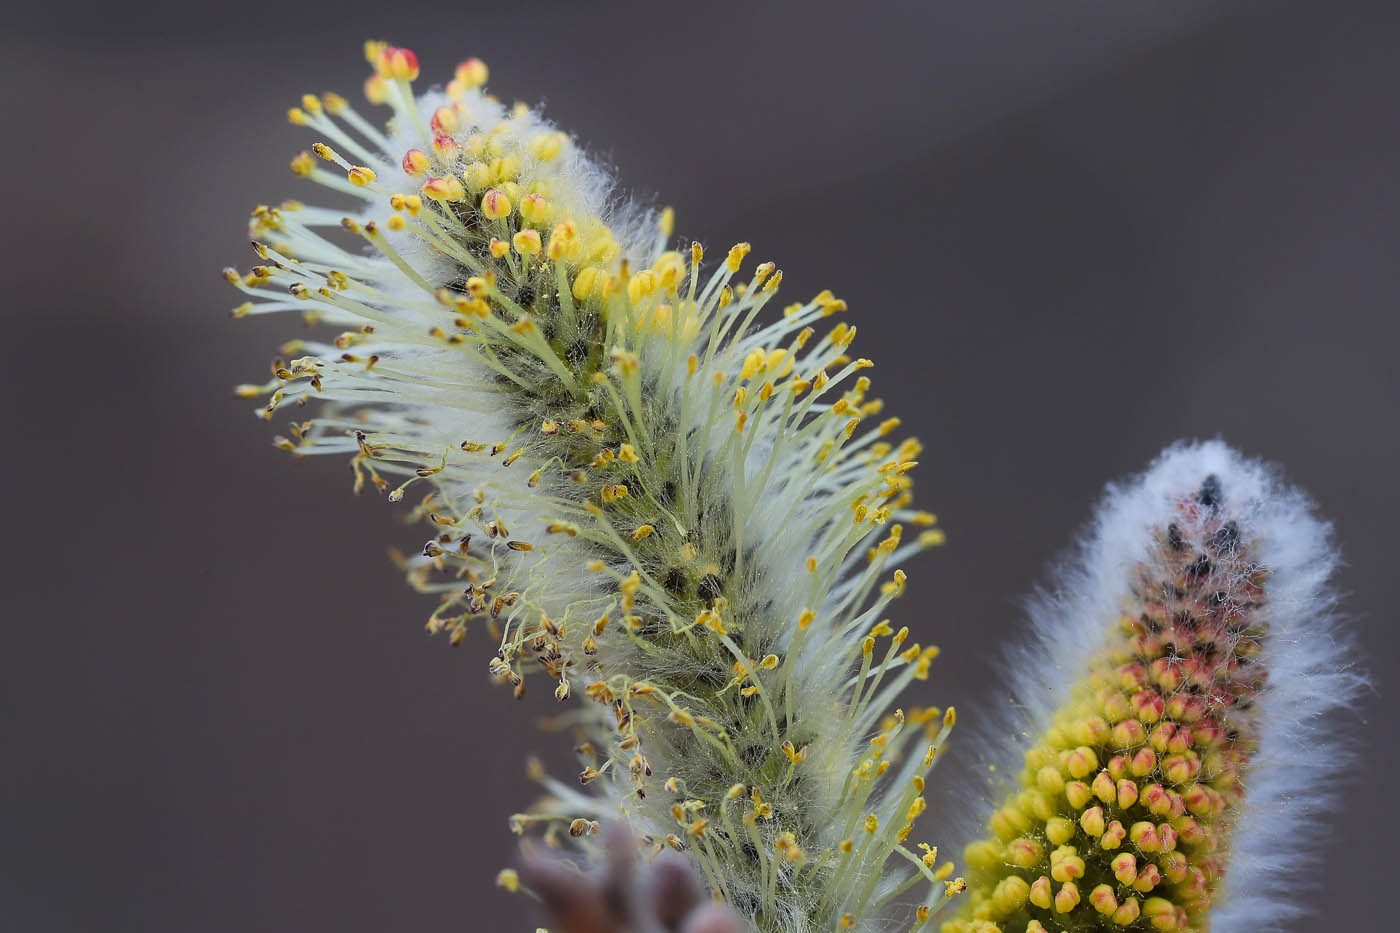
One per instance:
(527,242)
(477,175)
(1081,761)
(1103,899)
(472,73)
(547,146)
(1092,821)
(1041,893)
(1049,779)
(534,208)
(1067,898)
(590,281)
(1127,912)
(1160,912)
(444,189)
(495,204)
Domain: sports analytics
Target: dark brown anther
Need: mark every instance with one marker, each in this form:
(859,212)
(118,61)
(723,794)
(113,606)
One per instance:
(1226,539)
(1174,539)
(1210,494)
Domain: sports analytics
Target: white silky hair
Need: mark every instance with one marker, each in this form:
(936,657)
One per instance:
(787,489)
(1304,711)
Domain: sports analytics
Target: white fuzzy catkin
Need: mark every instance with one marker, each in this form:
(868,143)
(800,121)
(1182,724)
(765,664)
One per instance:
(1265,842)
(689,518)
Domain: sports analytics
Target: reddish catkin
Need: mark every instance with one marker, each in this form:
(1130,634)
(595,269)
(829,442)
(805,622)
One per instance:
(1189,740)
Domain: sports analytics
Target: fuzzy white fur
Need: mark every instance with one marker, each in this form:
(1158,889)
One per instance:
(1313,682)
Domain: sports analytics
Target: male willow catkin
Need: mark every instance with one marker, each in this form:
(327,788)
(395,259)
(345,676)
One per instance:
(687,518)
(1184,679)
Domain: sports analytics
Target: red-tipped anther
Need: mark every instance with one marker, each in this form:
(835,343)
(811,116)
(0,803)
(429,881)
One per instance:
(444,121)
(415,163)
(394,62)
(446,147)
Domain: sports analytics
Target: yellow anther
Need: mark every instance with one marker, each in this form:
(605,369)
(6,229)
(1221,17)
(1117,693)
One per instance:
(794,755)
(376,89)
(736,256)
(534,208)
(872,823)
(547,146)
(527,242)
(304,163)
(590,281)
(444,189)
(360,176)
(507,169)
(753,363)
(509,879)
(642,285)
(477,176)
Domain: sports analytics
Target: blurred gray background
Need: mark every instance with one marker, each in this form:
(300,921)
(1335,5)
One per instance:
(1117,223)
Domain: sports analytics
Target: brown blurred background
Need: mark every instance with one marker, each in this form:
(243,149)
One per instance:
(1114,224)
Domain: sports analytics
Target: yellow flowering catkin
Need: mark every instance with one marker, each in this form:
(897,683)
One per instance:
(687,518)
(1202,622)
